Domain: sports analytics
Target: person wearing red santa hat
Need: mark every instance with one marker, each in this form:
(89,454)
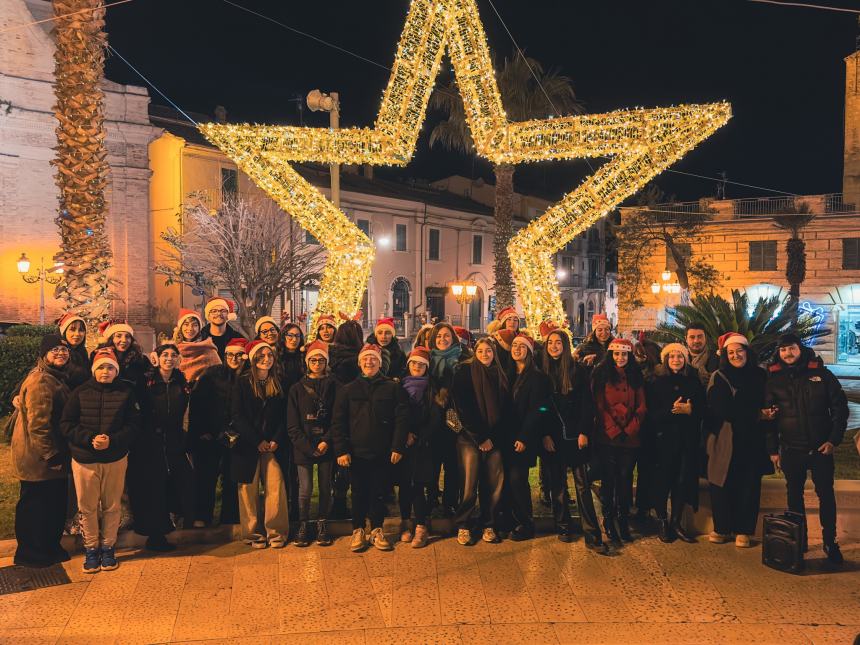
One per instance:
(393,357)
(464,336)
(197,354)
(326,327)
(509,318)
(73,330)
(736,440)
(133,365)
(218,312)
(369,428)
(619,399)
(592,350)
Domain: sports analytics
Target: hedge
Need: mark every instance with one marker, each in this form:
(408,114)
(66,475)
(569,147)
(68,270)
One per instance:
(19,349)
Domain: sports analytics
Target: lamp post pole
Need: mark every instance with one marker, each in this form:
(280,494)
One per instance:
(41,276)
(319,102)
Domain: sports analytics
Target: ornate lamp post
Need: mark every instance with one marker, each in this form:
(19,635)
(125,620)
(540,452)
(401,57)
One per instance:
(42,275)
(464,292)
(666,287)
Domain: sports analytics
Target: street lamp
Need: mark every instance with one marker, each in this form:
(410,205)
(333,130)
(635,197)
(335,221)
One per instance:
(666,287)
(41,276)
(464,292)
(319,102)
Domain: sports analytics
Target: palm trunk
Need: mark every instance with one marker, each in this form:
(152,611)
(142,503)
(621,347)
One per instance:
(795,273)
(81,158)
(502,274)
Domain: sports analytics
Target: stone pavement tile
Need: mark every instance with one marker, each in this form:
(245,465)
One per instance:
(547,587)
(343,637)
(584,572)
(461,594)
(504,588)
(10,606)
(299,565)
(302,606)
(30,636)
(831,634)
(511,634)
(776,635)
(664,634)
(205,602)
(254,606)
(352,601)
(754,608)
(153,606)
(382,589)
(415,589)
(245,640)
(437,635)
(605,609)
(47,607)
(799,608)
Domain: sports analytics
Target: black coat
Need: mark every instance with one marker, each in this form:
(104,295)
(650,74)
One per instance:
(531,419)
(209,411)
(592,346)
(371,418)
(466,404)
(164,406)
(672,439)
(220,341)
(78,369)
(100,408)
(309,408)
(256,420)
(813,408)
(423,418)
(343,363)
(394,364)
(289,368)
(576,410)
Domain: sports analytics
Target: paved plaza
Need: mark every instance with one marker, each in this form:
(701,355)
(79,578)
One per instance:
(540,591)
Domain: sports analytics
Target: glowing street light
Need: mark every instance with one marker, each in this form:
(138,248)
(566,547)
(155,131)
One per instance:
(41,276)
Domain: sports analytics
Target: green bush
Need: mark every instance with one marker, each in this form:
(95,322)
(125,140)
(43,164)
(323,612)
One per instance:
(19,349)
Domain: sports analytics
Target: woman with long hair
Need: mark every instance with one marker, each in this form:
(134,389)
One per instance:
(261,454)
(393,357)
(289,359)
(133,365)
(73,330)
(737,451)
(592,350)
(196,353)
(676,407)
(566,445)
(483,403)
(619,398)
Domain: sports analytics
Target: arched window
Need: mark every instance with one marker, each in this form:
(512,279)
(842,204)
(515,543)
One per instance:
(400,289)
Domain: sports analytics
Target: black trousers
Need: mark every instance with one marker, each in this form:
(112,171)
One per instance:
(410,493)
(370,479)
(211,461)
(735,505)
(795,464)
(517,494)
(666,482)
(557,465)
(39,519)
(444,447)
(478,471)
(616,487)
(306,489)
(180,486)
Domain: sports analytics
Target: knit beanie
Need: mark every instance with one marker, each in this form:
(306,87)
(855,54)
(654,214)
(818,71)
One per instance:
(49,342)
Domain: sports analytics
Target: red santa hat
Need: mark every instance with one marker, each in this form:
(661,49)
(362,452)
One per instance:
(109,327)
(506,336)
(67,319)
(731,337)
(526,339)
(238,342)
(102,356)
(507,312)
(219,303)
(185,314)
(262,321)
(463,334)
(598,320)
(385,323)
(370,348)
(326,319)
(419,355)
(316,348)
(254,347)
(547,327)
(621,345)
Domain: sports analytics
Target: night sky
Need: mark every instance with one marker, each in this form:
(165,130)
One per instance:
(781,68)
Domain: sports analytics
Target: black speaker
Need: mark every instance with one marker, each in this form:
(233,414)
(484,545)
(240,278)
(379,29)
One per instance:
(782,541)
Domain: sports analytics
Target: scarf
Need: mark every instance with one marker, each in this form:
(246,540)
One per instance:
(196,357)
(443,360)
(415,386)
(487,383)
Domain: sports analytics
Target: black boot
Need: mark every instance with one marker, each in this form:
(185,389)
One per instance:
(611,530)
(564,533)
(834,554)
(323,536)
(523,532)
(665,532)
(678,527)
(159,544)
(624,528)
(302,536)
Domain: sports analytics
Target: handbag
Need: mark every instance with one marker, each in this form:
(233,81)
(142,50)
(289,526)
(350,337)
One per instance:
(452,420)
(9,425)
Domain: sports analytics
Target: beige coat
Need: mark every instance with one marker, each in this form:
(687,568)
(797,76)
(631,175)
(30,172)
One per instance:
(37,444)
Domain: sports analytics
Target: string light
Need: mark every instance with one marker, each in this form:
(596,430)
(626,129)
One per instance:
(642,143)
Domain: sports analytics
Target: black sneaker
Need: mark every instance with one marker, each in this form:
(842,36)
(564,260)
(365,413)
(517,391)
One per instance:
(159,544)
(323,536)
(834,553)
(302,538)
(611,531)
(93,560)
(624,528)
(522,533)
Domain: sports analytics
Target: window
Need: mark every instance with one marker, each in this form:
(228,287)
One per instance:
(229,181)
(477,249)
(400,237)
(611,289)
(763,255)
(310,239)
(433,237)
(851,253)
(364,226)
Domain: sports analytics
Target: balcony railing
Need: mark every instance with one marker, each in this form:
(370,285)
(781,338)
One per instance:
(596,282)
(834,203)
(763,206)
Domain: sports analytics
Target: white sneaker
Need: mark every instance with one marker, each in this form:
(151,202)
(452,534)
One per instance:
(419,541)
(490,536)
(378,539)
(464,537)
(742,541)
(359,540)
(198,524)
(256,541)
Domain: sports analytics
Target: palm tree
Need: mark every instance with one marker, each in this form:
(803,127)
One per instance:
(81,157)
(762,324)
(524,97)
(795,250)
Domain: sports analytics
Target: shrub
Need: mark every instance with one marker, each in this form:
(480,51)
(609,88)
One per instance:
(19,349)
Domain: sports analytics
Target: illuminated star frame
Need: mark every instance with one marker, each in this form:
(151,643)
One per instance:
(642,143)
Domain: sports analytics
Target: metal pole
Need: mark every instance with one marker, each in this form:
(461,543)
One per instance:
(334,169)
(42,291)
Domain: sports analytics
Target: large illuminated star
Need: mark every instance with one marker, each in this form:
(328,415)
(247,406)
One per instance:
(641,144)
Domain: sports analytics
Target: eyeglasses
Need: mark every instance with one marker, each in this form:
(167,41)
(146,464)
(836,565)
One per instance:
(59,350)
(269,332)
(317,361)
(234,356)
(223,312)
(292,335)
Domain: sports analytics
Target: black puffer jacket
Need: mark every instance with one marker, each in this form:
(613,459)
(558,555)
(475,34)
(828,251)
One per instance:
(164,407)
(576,409)
(813,408)
(394,364)
(371,418)
(309,408)
(343,361)
(256,420)
(209,407)
(100,408)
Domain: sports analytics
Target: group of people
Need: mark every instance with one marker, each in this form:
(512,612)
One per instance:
(453,424)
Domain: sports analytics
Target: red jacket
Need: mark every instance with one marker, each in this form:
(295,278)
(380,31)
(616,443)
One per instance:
(620,410)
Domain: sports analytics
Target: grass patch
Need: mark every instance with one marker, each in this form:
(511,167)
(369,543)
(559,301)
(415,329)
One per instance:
(8,493)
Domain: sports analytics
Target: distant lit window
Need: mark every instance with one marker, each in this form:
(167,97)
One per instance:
(763,255)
